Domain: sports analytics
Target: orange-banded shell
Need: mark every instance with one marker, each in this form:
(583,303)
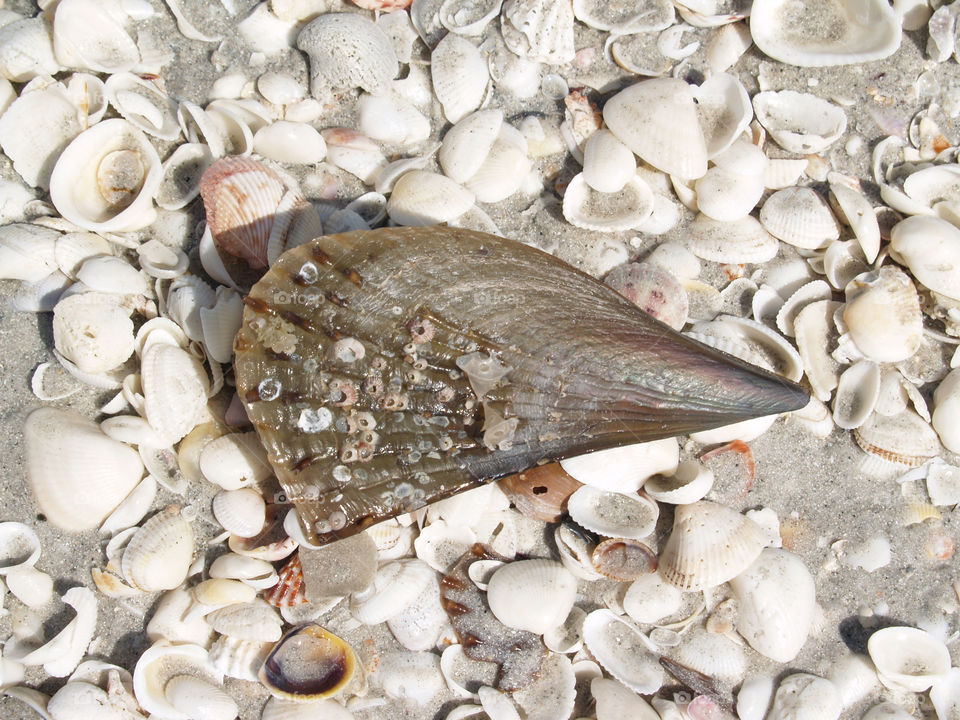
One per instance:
(253,213)
(540,492)
(905,438)
(308,664)
(400,421)
(289,590)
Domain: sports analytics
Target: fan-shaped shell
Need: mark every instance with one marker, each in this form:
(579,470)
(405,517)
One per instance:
(106,178)
(607,212)
(799,216)
(904,438)
(460,76)
(739,241)
(241,512)
(827,32)
(532,595)
(78,475)
(883,315)
(709,544)
(657,119)
(347,50)
(159,553)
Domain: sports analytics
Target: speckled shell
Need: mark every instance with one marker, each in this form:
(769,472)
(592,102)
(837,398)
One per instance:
(387,369)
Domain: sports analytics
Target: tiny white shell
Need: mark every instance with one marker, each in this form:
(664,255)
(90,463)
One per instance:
(690,482)
(174,390)
(239,659)
(883,315)
(854,209)
(724,110)
(534,595)
(414,677)
(929,247)
(539,30)
(241,512)
(28,252)
(220,324)
(290,142)
(26,49)
(256,573)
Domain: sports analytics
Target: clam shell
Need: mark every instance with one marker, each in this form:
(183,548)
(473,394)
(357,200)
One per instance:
(459,75)
(78,475)
(813,327)
(309,664)
(624,559)
(422,623)
(468,18)
(276,324)
(904,438)
(726,196)
(652,288)
(883,315)
(200,698)
(235,461)
(724,110)
(26,49)
(552,694)
(392,119)
(532,595)
(28,252)
(638,116)
(395,586)
(623,651)
(172,622)
(928,246)
(799,216)
(93,331)
(241,512)
(258,622)
(413,677)
(650,598)
(290,142)
(709,544)
(256,573)
(162,662)
(840,32)
(854,209)
(354,152)
(141,103)
(799,122)
(174,391)
(159,554)
(106,178)
(776,603)
(713,655)
(467,144)
(425,198)
(607,212)
(91,36)
(237,658)
(35,129)
(857,392)
(608,164)
(504,169)
(347,50)
(739,241)
(613,700)
(612,514)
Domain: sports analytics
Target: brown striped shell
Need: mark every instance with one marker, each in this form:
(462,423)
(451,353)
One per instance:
(387,369)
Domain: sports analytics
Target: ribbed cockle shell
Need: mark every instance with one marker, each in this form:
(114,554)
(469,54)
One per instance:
(387,369)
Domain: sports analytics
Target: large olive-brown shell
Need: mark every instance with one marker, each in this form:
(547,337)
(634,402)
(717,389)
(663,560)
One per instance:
(390,368)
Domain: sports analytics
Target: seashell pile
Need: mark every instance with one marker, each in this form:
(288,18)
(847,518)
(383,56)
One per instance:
(524,359)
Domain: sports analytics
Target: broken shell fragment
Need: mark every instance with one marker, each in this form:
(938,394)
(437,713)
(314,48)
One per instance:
(623,651)
(540,492)
(308,664)
(930,248)
(799,122)
(827,32)
(624,559)
(347,50)
(907,658)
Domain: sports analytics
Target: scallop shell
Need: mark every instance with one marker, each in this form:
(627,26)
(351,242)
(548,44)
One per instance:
(78,475)
(739,241)
(106,178)
(607,212)
(638,116)
(801,217)
(905,438)
(776,604)
(241,512)
(532,595)
(276,320)
(460,76)
(799,122)
(883,315)
(623,651)
(174,391)
(160,552)
(309,664)
(26,49)
(141,103)
(540,492)
(831,32)
(251,211)
(347,50)
(539,30)
(709,544)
